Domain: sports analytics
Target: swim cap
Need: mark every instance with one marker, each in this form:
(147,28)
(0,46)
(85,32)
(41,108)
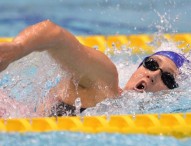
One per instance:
(177,58)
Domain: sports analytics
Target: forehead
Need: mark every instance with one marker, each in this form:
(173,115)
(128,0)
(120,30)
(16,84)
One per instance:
(165,63)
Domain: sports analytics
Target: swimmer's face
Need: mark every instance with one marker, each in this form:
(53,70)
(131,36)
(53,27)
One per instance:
(146,80)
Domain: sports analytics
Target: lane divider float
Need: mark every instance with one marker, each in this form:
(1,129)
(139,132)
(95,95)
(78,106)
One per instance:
(176,124)
(137,43)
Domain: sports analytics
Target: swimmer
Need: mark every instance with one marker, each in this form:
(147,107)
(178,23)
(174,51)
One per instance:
(93,76)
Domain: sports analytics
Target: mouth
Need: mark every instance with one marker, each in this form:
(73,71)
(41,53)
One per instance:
(140,87)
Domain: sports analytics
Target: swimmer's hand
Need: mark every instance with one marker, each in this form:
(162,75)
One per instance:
(9,52)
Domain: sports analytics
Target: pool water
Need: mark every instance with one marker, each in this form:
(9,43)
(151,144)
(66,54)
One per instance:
(81,139)
(82,17)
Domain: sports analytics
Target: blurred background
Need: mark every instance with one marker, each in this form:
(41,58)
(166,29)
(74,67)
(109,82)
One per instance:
(88,17)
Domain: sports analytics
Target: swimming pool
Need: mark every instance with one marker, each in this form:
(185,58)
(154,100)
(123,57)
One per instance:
(96,17)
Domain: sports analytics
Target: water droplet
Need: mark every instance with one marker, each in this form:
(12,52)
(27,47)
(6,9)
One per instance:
(78,105)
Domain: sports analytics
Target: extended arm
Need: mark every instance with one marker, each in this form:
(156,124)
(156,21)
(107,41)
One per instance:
(86,64)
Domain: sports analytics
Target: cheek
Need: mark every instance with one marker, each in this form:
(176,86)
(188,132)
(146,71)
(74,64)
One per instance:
(158,87)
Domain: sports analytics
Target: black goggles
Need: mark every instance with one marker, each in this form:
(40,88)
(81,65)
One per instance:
(167,78)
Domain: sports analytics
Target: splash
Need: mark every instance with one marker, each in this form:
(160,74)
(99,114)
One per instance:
(26,82)
(130,102)
(29,85)
(169,46)
(138,103)
(37,73)
(78,105)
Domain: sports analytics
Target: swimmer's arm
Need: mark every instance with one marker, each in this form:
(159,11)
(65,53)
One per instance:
(87,64)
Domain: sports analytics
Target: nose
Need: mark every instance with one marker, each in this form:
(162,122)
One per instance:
(154,76)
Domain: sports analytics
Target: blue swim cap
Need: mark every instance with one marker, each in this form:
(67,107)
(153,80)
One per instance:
(177,58)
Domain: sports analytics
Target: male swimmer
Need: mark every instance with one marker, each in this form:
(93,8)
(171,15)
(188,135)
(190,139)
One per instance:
(93,76)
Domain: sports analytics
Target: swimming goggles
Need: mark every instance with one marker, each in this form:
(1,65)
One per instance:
(167,78)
